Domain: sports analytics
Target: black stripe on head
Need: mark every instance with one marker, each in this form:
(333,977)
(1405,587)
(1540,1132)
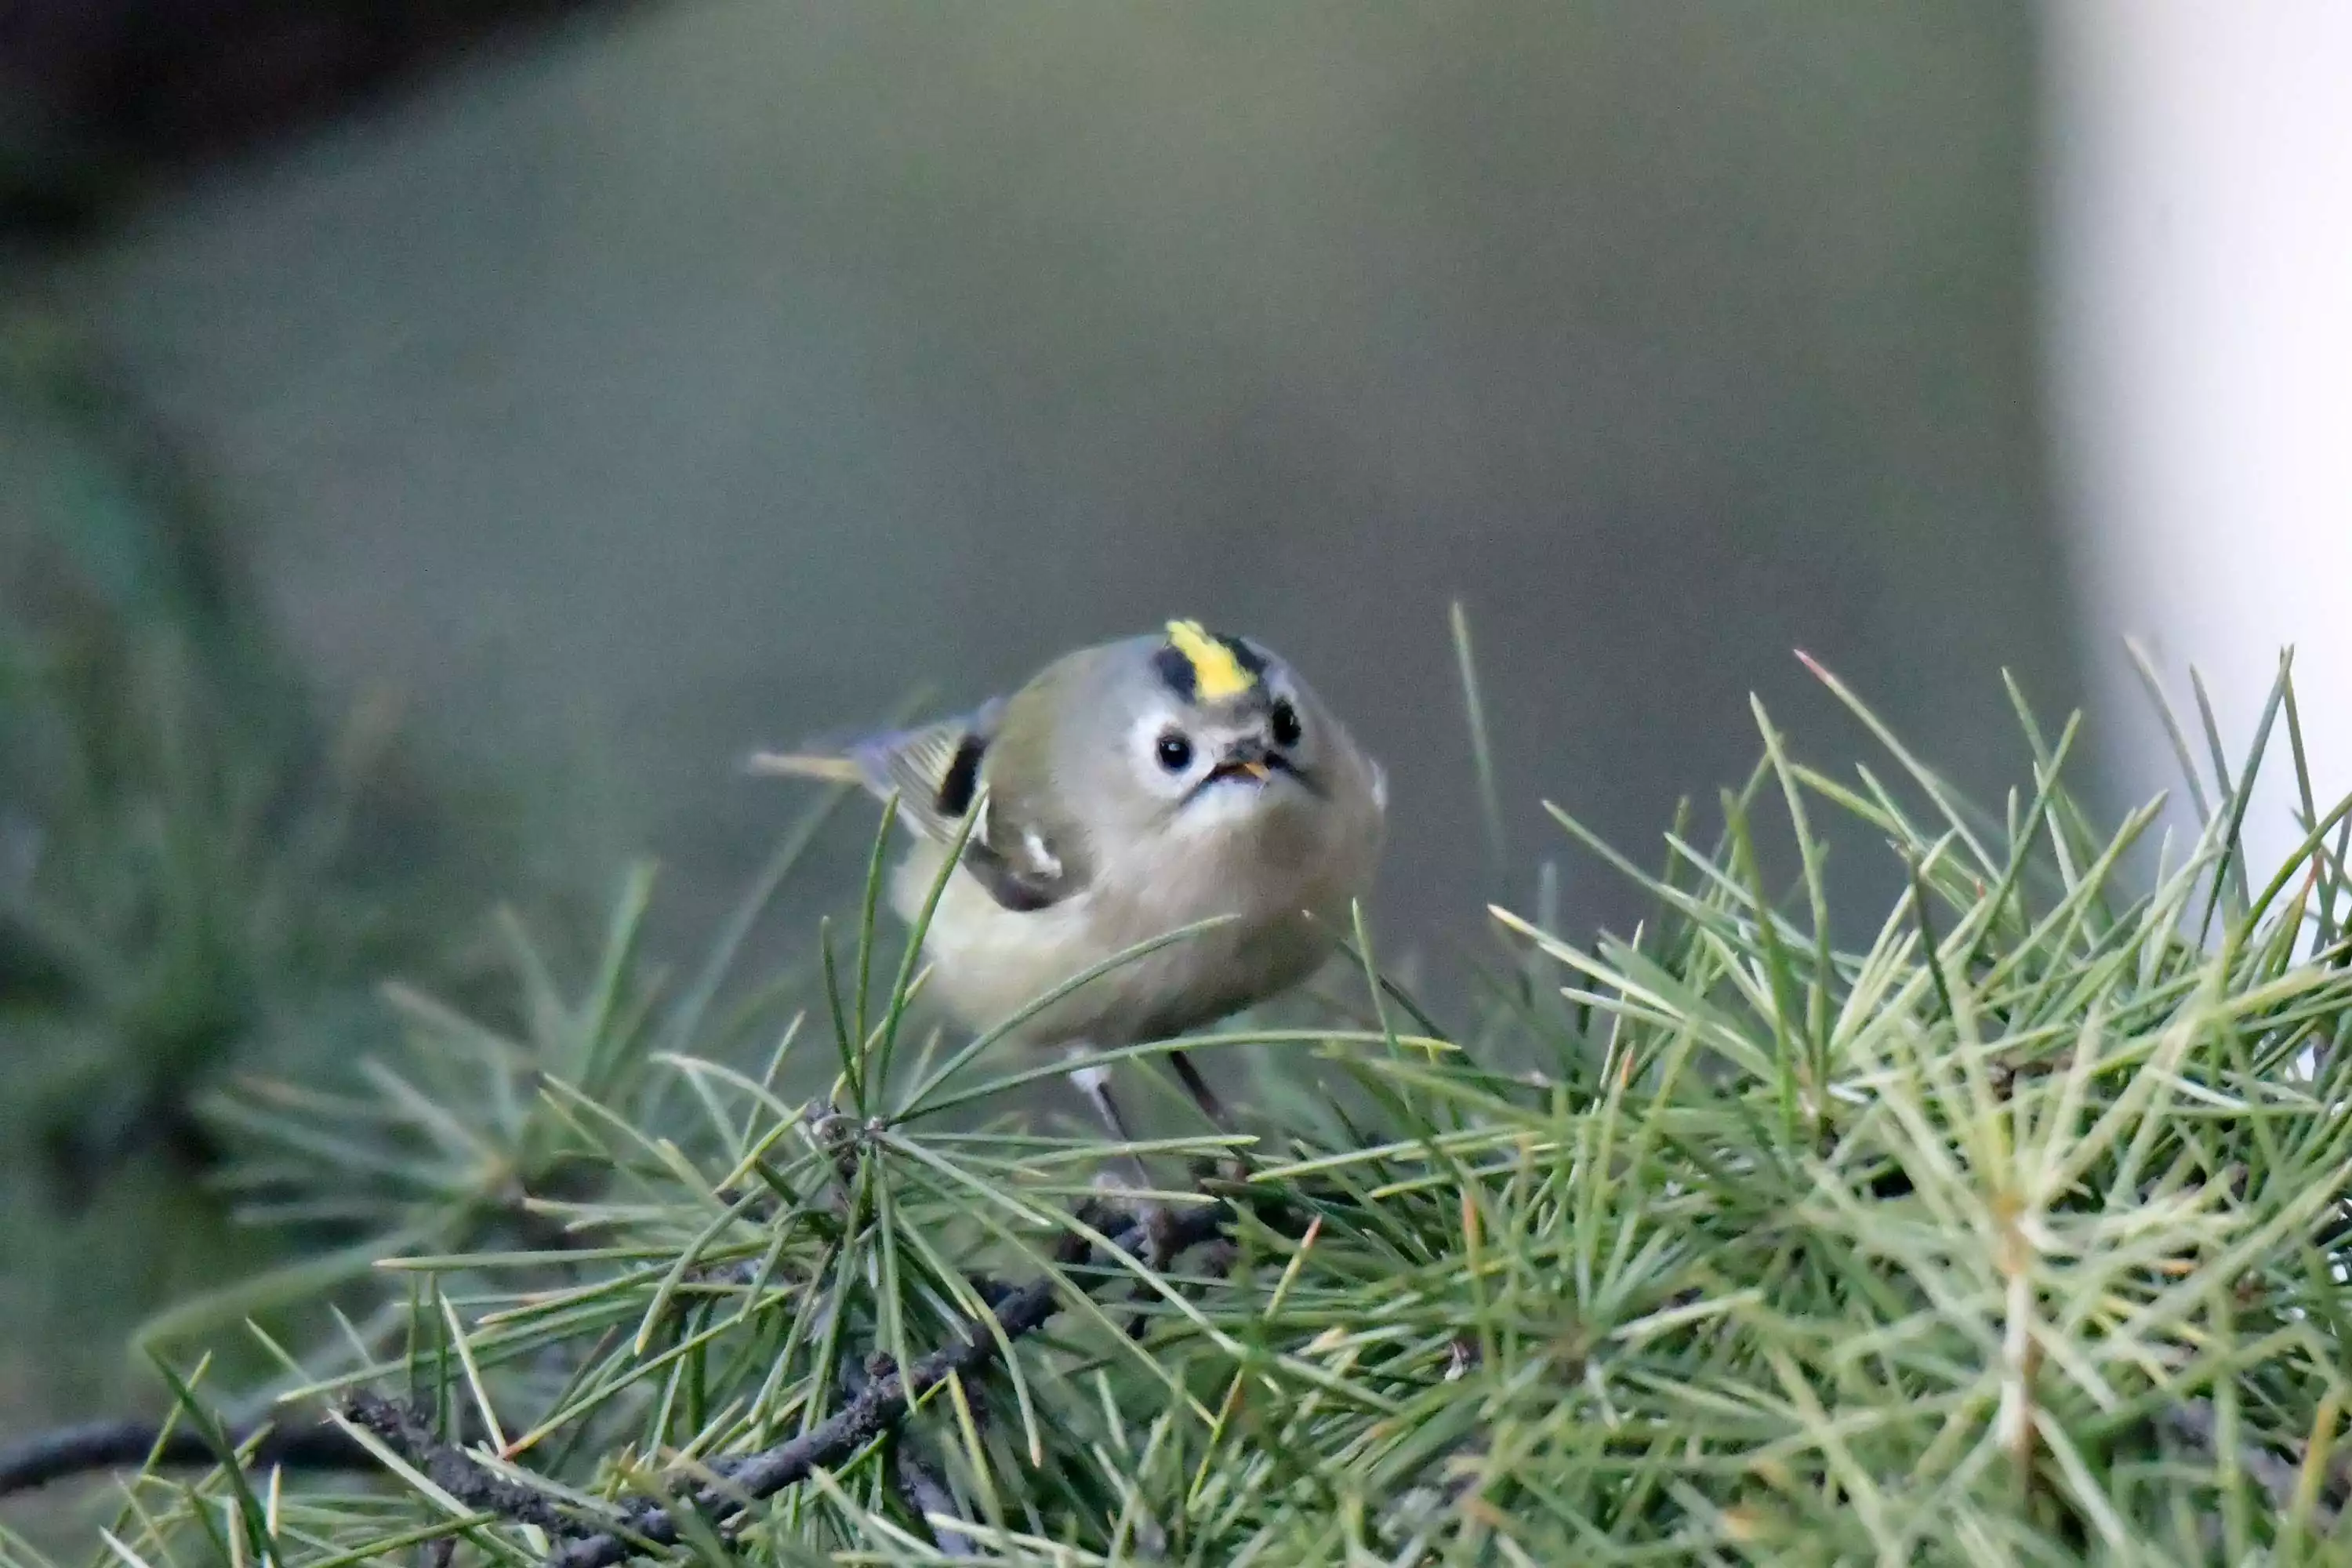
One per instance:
(1176,672)
(961,780)
(1248,657)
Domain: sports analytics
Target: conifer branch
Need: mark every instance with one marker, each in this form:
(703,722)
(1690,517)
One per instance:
(884,1402)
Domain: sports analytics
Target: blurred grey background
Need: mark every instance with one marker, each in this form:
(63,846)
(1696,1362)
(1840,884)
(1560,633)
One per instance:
(622,387)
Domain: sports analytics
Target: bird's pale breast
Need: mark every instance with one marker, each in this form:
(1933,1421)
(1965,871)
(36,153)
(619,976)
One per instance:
(988,961)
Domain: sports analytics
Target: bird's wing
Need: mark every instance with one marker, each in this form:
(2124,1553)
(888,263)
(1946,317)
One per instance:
(933,769)
(936,770)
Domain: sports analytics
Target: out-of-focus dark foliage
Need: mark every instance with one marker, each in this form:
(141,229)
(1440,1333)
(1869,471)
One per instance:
(98,95)
(197,874)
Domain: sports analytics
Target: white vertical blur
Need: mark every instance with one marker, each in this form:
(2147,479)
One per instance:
(2198,230)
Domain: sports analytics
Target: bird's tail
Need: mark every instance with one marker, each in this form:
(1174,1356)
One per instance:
(806,765)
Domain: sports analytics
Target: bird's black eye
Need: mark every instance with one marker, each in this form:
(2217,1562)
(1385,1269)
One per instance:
(1283,721)
(1175,753)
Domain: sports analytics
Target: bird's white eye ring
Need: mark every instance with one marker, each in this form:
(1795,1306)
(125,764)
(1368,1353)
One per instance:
(1174,750)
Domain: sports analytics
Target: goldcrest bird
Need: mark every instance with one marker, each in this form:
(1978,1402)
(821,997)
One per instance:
(1128,790)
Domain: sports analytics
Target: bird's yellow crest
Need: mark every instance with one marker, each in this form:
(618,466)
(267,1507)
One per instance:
(1217,672)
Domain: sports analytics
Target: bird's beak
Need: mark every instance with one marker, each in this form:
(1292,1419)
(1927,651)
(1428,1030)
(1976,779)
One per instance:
(1251,760)
(1248,761)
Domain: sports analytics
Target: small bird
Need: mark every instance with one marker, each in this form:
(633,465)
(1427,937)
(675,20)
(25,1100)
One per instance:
(1128,790)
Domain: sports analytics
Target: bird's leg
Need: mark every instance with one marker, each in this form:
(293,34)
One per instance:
(1198,1088)
(1206,1099)
(1095,1080)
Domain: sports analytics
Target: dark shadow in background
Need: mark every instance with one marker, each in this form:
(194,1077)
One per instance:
(103,102)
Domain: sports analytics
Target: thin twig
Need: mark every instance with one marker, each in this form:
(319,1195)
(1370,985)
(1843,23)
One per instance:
(918,1485)
(406,1432)
(928,1495)
(53,1456)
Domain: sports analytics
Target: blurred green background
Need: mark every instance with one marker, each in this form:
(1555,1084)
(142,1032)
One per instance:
(436,444)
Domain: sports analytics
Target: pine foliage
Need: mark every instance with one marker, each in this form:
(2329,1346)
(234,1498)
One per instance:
(2013,1232)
